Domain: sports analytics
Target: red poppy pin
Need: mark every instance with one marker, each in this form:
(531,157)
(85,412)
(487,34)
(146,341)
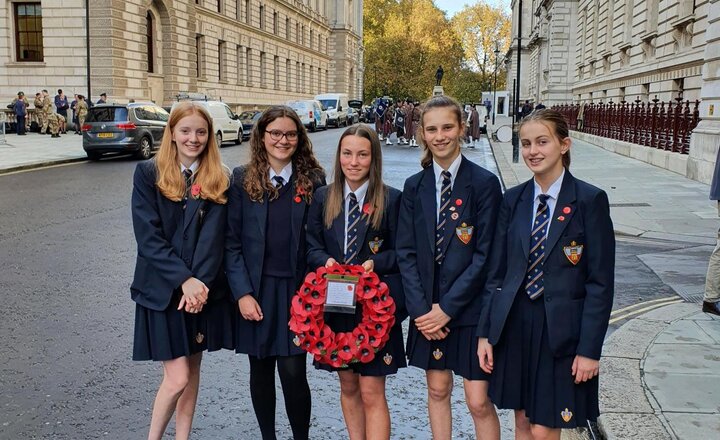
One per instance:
(561,218)
(299,193)
(367,210)
(567,210)
(458,202)
(195,191)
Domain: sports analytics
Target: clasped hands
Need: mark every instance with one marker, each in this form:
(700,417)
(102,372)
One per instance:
(195,295)
(433,324)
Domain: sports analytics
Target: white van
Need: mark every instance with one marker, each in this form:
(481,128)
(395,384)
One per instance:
(336,105)
(310,113)
(227,124)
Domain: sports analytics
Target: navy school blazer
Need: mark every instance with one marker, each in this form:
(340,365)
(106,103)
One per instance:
(245,238)
(174,243)
(462,274)
(324,243)
(578,297)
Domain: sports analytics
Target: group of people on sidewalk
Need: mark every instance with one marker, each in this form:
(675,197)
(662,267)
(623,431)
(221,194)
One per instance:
(513,293)
(51,116)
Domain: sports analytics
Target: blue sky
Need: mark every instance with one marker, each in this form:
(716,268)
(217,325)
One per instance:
(453,6)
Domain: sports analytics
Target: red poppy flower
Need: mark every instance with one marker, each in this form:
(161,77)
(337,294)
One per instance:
(367,209)
(298,199)
(561,218)
(347,348)
(366,353)
(195,191)
(567,210)
(458,202)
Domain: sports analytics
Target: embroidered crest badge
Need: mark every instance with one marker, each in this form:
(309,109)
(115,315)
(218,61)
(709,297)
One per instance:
(199,338)
(374,245)
(464,233)
(566,415)
(437,354)
(387,358)
(573,252)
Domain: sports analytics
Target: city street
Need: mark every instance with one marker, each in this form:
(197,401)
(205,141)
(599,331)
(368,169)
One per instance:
(67,253)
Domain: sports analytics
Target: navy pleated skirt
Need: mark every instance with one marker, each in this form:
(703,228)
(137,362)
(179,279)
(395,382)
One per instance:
(168,334)
(457,352)
(272,335)
(388,360)
(527,375)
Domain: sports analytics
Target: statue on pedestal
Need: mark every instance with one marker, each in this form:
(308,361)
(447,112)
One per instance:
(439,75)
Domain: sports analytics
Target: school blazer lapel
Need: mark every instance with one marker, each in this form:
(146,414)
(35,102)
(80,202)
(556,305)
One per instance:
(297,214)
(461,191)
(338,229)
(522,221)
(565,202)
(259,211)
(426,198)
(191,206)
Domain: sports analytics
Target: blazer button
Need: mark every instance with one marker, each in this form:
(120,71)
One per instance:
(548,299)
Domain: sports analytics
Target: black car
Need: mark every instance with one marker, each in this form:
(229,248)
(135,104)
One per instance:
(248,120)
(135,128)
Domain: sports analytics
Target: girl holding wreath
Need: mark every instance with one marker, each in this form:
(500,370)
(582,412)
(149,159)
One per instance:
(446,226)
(265,261)
(353,221)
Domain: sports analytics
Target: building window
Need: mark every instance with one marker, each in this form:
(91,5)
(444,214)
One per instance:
(276,73)
(302,38)
(287,28)
(247,11)
(297,32)
(263,82)
(28,32)
(303,83)
(297,76)
(288,76)
(222,76)
(248,67)
(199,55)
(220,6)
(312,36)
(262,17)
(275,23)
(150,43)
(241,66)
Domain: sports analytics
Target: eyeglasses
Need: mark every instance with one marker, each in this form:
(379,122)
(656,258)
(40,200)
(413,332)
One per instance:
(277,135)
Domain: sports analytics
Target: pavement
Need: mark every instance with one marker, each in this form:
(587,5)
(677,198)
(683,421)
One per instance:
(661,369)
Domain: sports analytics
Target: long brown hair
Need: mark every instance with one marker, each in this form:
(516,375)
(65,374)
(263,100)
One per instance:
(305,165)
(439,101)
(376,192)
(557,124)
(212,176)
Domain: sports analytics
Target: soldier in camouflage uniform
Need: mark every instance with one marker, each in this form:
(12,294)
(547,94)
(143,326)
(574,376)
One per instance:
(82,110)
(39,114)
(47,109)
(54,124)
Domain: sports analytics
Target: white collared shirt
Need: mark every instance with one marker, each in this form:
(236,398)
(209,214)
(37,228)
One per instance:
(360,196)
(193,167)
(437,169)
(285,173)
(553,192)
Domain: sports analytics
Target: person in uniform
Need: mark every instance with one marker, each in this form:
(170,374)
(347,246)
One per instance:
(399,123)
(82,111)
(445,229)
(265,261)
(39,113)
(178,212)
(54,125)
(354,221)
(550,289)
(474,126)
(409,129)
(73,107)
(388,123)
(415,123)
(47,110)
(20,106)
(62,106)
(380,109)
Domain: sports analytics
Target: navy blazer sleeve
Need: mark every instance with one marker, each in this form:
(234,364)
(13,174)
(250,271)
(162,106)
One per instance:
(497,265)
(406,249)
(386,260)
(600,284)
(235,265)
(487,201)
(317,254)
(153,246)
(208,255)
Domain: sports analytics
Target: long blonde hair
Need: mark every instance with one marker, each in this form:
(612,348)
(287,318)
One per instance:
(305,166)
(439,101)
(376,192)
(212,176)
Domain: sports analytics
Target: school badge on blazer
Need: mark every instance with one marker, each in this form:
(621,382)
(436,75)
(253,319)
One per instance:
(573,252)
(566,415)
(374,245)
(387,358)
(296,341)
(464,232)
(199,338)
(437,354)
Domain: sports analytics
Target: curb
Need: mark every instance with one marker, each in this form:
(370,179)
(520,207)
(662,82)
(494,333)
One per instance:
(627,408)
(32,166)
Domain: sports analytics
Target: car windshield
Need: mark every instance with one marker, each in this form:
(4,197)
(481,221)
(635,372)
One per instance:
(301,106)
(329,103)
(107,114)
(247,115)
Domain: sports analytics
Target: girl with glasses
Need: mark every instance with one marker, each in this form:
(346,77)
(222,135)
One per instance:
(265,261)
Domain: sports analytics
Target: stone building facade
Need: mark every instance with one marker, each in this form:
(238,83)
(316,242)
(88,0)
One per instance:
(249,53)
(602,50)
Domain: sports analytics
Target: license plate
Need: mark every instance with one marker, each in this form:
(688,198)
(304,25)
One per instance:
(105,135)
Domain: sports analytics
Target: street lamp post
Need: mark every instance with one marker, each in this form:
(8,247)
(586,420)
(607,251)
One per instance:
(494,104)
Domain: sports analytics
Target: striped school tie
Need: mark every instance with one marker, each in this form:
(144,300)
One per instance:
(188,180)
(279,181)
(534,286)
(444,213)
(351,249)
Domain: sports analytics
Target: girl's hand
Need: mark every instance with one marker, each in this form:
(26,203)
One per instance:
(584,368)
(438,335)
(249,308)
(369,265)
(432,321)
(485,354)
(191,309)
(195,293)
(330,262)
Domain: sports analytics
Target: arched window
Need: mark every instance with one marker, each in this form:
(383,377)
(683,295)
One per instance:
(150,43)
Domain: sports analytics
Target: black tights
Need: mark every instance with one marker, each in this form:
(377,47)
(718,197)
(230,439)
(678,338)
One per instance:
(296,391)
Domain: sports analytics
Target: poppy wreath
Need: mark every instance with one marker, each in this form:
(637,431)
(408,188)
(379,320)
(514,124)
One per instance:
(343,348)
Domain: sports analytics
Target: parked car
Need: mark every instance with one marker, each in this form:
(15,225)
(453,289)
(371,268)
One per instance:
(353,116)
(311,113)
(358,106)
(248,120)
(135,128)
(336,105)
(226,123)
